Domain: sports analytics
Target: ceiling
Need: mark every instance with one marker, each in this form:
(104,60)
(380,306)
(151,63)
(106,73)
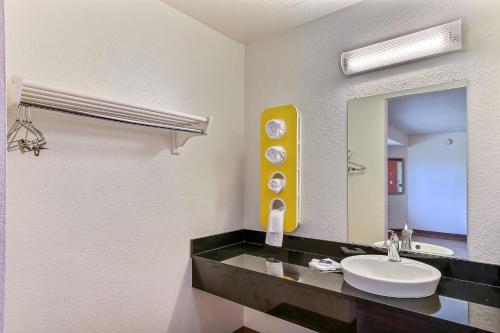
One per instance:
(248,20)
(430,113)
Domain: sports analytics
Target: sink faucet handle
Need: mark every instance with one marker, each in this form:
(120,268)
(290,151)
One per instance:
(394,236)
(406,234)
(393,247)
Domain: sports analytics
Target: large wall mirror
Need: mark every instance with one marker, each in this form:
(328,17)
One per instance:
(407,169)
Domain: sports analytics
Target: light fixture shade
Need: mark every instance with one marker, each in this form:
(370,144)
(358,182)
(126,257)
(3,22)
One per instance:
(422,44)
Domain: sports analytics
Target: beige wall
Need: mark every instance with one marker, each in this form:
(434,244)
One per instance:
(99,225)
(367,191)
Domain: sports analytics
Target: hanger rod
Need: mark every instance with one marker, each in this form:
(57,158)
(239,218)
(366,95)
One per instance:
(114,118)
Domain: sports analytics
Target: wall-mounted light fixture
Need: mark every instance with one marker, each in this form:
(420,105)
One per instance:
(426,43)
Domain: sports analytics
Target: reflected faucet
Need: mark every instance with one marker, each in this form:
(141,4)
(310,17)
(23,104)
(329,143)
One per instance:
(393,247)
(406,237)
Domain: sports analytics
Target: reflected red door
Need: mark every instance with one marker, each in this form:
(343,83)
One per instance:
(392,176)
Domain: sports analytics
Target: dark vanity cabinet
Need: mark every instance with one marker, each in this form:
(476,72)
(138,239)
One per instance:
(239,267)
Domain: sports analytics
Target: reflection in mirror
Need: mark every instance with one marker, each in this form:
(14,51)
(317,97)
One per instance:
(395,181)
(413,147)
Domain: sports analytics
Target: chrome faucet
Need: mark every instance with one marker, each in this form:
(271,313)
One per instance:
(406,237)
(393,247)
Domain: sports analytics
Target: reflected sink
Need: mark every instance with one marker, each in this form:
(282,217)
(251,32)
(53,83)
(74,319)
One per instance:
(377,275)
(423,248)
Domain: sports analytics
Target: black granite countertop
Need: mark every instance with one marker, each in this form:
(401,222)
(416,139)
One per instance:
(472,304)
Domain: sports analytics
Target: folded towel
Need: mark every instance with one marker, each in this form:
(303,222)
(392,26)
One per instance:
(325,265)
(274,235)
(276,220)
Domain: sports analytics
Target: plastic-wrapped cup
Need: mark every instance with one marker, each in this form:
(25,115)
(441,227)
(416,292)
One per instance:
(277,183)
(276,128)
(276,155)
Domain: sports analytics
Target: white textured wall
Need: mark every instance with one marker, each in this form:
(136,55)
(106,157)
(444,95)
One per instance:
(99,225)
(3,120)
(301,66)
(437,182)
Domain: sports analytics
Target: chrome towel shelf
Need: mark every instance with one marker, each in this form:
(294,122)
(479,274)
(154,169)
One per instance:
(28,94)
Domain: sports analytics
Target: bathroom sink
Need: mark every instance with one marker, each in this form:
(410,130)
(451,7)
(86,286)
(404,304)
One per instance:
(377,275)
(424,248)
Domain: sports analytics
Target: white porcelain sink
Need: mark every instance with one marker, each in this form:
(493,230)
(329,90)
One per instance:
(375,274)
(424,248)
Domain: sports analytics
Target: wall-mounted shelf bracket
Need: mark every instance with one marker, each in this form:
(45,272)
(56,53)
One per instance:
(178,138)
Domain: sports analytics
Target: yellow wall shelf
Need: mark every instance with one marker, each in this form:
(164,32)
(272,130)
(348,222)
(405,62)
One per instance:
(287,144)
